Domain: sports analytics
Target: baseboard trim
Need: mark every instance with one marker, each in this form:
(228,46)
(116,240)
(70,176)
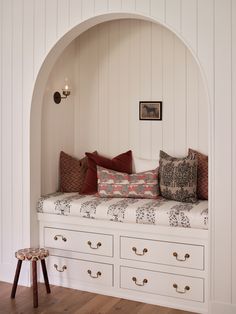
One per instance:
(7,273)
(222,308)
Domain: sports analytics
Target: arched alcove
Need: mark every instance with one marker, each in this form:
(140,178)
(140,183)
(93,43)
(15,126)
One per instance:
(38,94)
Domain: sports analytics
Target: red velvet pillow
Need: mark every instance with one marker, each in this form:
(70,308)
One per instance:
(121,163)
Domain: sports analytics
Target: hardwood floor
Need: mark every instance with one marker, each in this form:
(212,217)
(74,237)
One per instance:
(63,300)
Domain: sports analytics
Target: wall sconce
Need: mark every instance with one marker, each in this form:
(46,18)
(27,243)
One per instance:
(58,97)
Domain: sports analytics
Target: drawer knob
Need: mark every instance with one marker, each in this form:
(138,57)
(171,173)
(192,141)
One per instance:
(94,247)
(60,270)
(60,236)
(140,254)
(186,256)
(94,276)
(186,288)
(140,284)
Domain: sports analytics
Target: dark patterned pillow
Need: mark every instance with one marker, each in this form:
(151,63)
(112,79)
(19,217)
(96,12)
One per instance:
(178,177)
(202,174)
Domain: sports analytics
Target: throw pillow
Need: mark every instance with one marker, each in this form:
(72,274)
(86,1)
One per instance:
(178,177)
(122,163)
(117,184)
(202,175)
(72,173)
(141,164)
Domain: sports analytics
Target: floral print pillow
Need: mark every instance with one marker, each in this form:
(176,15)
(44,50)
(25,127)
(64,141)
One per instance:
(178,177)
(118,184)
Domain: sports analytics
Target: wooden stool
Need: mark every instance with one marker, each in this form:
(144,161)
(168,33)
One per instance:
(32,255)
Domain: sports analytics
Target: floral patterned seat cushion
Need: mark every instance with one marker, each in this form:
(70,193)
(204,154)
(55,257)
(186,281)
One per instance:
(159,211)
(178,177)
(32,254)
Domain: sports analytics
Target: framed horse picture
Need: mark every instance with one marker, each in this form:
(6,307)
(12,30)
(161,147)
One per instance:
(150,110)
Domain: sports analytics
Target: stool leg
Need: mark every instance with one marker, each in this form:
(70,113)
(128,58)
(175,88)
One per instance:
(45,275)
(17,274)
(35,284)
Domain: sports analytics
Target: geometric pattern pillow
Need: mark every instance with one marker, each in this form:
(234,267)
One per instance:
(202,175)
(72,173)
(118,184)
(178,177)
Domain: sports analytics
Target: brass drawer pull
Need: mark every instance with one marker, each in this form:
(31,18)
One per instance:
(186,288)
(140,254)
(60,236)
(94,247)
(60,270)
(96,276)
(139,284)
(186,256)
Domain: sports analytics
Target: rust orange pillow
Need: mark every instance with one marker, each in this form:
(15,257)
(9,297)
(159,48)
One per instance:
(121,163)
(72,173)
(202,175)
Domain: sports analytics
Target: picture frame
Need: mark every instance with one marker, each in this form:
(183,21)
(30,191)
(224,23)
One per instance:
(150,110)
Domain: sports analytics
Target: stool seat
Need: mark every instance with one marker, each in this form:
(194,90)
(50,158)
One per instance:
(32,254)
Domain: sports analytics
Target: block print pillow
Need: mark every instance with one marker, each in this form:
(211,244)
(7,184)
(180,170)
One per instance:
(117,184)
(122,163)
(202,175)
(178,177)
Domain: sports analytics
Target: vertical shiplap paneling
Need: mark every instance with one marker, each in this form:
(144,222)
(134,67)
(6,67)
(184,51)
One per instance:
(143,6)
(63,15)
(157,9)
(75,12)
(6,125)
(88,7)
(17,123)
(192,103)
(156,86)
(128,5)
(173,14)
(114,87)
(233,29)
(103,103)
(134,90)
(223,150)
(145,86)
(28,81)
(179,98)
(205,41)
(189,22)
(114,5)
(203,115)
(124,85)
(100,6)
(51,23)
(168,91)
(39,33)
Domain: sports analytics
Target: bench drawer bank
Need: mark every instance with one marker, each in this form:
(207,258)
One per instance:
(120,266)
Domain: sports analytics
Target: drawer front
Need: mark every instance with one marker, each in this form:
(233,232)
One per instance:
(83,242)
(80,270)
(168,253)
(165,284)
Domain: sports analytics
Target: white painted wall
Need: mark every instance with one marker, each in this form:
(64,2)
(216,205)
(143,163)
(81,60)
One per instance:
(29,29)
(57,120)
(122,62)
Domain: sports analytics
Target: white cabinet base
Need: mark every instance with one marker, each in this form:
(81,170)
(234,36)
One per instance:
(115,268)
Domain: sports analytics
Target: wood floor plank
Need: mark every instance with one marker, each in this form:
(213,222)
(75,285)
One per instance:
(70,301)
